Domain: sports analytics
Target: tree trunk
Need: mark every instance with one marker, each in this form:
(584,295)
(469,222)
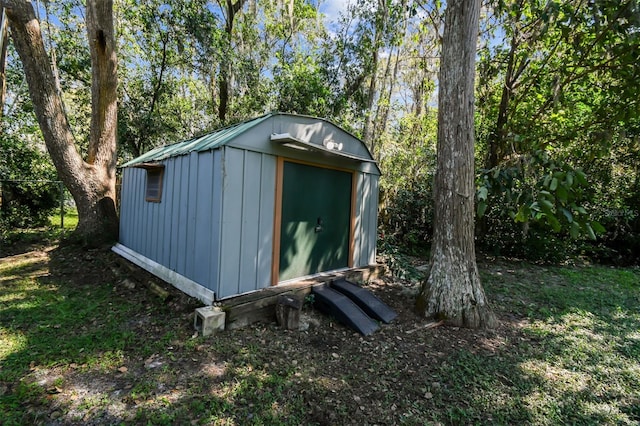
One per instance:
(497,139)
(3,59)
(91,182)
(226,69)
(379,28)
(367,131)
(452,290)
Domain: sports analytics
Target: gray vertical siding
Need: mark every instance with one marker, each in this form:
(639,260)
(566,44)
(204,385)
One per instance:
(267,211)
(214,224)
(183,217)
(173,179)
(192,225)
(203,219)
(250,227)
(216,221)
(366,220)
(231,220)
(166,211)
(247,221)
(124,204)
(372,229)
(357,237)
(182,231)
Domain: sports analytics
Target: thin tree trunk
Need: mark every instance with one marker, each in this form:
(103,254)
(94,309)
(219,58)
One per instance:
(91,182)
(4,34)
(368,130)
(226,69)
(384,105)
(452,290)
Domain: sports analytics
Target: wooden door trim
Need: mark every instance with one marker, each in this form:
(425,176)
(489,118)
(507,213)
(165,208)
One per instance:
(277,222)
(352,224)
(277,217)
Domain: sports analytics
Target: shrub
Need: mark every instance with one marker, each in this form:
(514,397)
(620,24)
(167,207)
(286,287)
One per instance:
(28,188)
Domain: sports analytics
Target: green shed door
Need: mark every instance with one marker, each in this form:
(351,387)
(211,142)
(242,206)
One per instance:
(316,217)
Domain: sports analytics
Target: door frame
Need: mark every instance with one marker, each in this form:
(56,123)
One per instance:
(277,217)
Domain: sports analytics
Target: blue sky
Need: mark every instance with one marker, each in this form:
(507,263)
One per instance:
(331,10)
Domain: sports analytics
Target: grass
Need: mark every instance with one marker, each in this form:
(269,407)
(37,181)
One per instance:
(578,362)
(47,235)
(70,219)
(75,347)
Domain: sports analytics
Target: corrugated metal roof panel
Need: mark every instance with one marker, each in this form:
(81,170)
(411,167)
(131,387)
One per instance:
(200,143)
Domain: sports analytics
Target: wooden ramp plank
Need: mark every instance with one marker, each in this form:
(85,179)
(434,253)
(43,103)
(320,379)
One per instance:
(343,309)
(366,300)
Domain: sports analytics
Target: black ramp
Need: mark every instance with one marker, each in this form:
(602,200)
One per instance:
(366,300)
(343,309)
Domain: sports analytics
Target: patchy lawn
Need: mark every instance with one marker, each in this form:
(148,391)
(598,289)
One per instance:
(77,347)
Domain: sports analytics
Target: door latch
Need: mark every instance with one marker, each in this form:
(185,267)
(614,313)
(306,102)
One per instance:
(318,227)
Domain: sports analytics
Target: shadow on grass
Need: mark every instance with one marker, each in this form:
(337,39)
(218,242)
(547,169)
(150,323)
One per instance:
(577,362)
(54,322)
(87,350)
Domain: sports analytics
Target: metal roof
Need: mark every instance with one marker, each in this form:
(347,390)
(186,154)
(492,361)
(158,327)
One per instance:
(223,136)
(288,140)
(199,143)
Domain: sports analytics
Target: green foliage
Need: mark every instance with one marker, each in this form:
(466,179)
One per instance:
(557,104)
(539,189)
(162,98)
(29,194)
(534,207)
(309,300)
(23,159)
(399,263)
(301,88)
(408,162)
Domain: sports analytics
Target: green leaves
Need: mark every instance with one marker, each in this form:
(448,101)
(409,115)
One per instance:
(544,192)
(482,196)
(24,171)
(563,81)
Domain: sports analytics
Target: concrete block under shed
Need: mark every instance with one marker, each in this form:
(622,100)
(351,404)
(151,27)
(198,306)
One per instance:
(209,320)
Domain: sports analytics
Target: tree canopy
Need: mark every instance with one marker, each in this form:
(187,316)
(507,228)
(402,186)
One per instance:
(557,127)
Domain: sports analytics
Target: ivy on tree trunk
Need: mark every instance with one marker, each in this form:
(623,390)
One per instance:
(452,290)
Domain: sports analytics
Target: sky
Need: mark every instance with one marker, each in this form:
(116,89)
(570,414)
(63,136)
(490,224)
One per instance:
(331,10)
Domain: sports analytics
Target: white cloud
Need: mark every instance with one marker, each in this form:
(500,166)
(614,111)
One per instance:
(331,9)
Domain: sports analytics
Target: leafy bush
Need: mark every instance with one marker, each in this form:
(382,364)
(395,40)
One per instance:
(620,244)
(408,215)
(28,194)
(398,262)
(408,162)
(534,207)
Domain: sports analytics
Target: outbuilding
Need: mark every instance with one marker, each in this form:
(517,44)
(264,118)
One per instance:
(261,203)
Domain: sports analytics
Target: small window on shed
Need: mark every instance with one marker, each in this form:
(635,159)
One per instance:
(155,172)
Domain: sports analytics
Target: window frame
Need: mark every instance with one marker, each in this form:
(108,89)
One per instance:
(155,175)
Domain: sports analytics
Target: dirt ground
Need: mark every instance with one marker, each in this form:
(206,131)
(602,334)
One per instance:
(261,374)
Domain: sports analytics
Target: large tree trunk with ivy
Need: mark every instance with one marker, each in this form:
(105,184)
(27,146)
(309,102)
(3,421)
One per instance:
(452,290)
(91,181)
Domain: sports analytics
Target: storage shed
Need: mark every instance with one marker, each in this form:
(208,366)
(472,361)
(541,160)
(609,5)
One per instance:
(261,203)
